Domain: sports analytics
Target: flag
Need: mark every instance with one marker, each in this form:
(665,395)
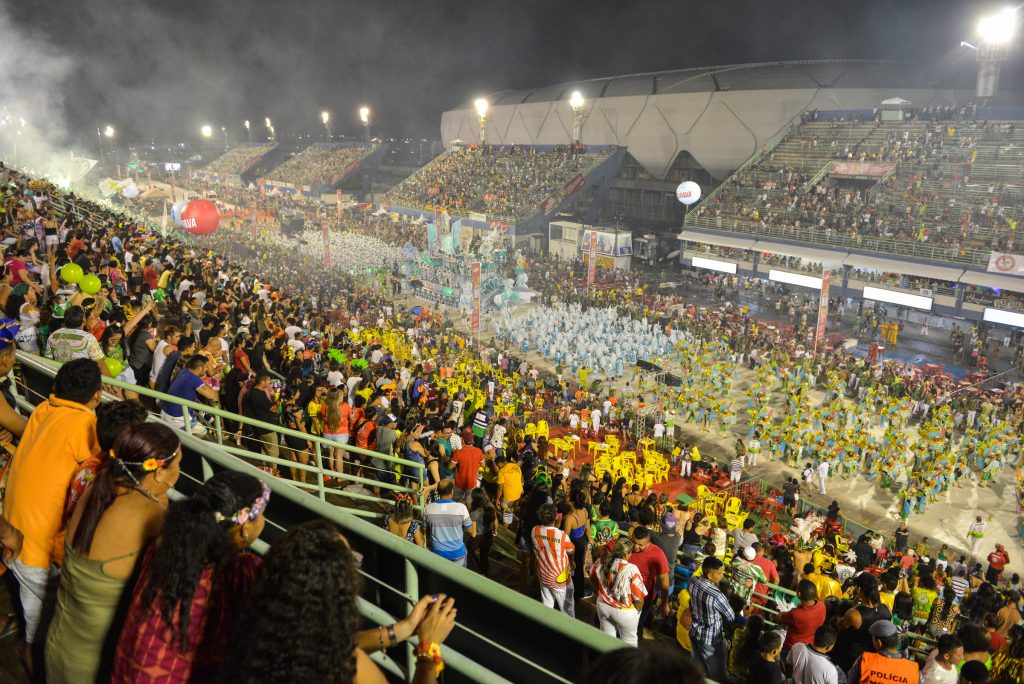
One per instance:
(163,222)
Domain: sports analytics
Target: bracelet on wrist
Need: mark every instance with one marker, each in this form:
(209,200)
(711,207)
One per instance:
(392,635)
(430,653)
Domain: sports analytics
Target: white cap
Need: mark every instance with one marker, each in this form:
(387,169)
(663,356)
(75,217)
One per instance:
(749,553)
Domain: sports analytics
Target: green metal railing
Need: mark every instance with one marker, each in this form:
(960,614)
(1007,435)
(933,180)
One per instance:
(500,636)
(315,467)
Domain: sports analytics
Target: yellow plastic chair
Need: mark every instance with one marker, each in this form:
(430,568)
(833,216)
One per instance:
(732,506)
(645,443)
(543,430)
(530,430)
(594,449)
(720,499)
(703,492)
(627,457)
(602,465)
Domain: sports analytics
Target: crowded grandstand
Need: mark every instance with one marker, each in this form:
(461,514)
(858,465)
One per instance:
(251,435)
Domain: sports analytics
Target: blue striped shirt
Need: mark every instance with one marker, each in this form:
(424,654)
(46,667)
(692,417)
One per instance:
(446,520)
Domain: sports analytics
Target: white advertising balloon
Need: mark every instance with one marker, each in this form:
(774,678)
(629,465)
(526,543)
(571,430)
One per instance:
(130,191)
(688,192)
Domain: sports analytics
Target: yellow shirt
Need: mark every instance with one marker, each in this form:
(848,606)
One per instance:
(59,436)
(683,635)
(825,585)
(510,477)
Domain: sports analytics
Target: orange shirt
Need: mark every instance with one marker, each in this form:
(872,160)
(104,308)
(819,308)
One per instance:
(59,436)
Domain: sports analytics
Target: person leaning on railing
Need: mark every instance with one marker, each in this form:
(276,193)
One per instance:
(301,620)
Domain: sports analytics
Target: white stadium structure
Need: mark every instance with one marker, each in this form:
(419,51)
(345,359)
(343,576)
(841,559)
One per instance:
(719,115)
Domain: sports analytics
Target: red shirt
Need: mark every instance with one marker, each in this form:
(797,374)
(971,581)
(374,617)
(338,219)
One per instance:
(15,266)
(468,460)
(150,278)
(770,573)
(802,621)
(998,560)
(652,564)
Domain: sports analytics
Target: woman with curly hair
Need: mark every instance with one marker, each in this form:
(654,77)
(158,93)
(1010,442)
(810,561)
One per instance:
(193,583)
(289,633)
(117,517)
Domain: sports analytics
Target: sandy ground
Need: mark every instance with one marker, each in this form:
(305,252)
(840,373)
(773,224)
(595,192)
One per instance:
(945,522)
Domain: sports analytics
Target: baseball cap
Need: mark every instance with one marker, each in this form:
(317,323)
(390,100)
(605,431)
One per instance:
(749,553)
(882,629)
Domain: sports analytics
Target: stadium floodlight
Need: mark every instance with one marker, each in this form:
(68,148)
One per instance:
(998,29)
(576,102)
(325,116)
(207,131)
(364,115)
(267,122)
(481,111)
(248,126)
(248,129)
(109,131)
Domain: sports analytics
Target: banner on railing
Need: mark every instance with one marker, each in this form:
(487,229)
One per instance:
(1007,264)
(861,169)
(567,191)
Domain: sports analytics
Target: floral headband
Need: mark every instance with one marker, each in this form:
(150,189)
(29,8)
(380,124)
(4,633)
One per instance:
(249,512)
(149,465)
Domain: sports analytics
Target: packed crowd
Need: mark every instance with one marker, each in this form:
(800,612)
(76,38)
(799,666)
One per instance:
(253,327)
(510,181)
(318,165)
(236,160)
(934,195)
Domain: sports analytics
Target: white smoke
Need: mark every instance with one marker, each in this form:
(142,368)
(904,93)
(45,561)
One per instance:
(33,79)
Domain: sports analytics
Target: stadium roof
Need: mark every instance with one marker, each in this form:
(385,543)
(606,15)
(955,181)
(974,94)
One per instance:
(720,115)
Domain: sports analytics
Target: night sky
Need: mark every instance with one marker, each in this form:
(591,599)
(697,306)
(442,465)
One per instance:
(162,69)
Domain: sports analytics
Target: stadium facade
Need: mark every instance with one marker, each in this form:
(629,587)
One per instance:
(702,123)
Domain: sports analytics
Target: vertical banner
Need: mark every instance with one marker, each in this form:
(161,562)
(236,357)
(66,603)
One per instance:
(327,245)
(475,274)
(163,222)
(592,261)
(819,333)
(456,235)
(339,205)
(431,239)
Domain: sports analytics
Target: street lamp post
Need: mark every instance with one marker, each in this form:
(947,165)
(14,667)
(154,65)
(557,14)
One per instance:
(271,133)
(325,117)
(248,130)
(224,132)
(481,111)
(576,102)
(364,116)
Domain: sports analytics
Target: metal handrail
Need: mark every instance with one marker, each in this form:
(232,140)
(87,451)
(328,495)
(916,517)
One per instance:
(965,255)
(396,573)
(319,443)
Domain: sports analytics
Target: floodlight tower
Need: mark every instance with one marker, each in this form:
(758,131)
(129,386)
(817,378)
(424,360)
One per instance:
(364,116)
(996,32)
(481,111)
(576,102)
(325,117)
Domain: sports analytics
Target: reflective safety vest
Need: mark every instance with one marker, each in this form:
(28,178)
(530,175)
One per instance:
(876,668)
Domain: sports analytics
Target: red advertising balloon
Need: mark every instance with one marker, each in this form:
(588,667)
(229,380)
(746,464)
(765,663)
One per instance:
(200,217)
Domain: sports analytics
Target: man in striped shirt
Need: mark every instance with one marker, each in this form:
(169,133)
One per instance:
(710,610)
(447,521)
(960,585)
(551,549)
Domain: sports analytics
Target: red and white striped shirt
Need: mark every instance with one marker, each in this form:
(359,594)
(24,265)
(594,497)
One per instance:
(551,549)
(637,589)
